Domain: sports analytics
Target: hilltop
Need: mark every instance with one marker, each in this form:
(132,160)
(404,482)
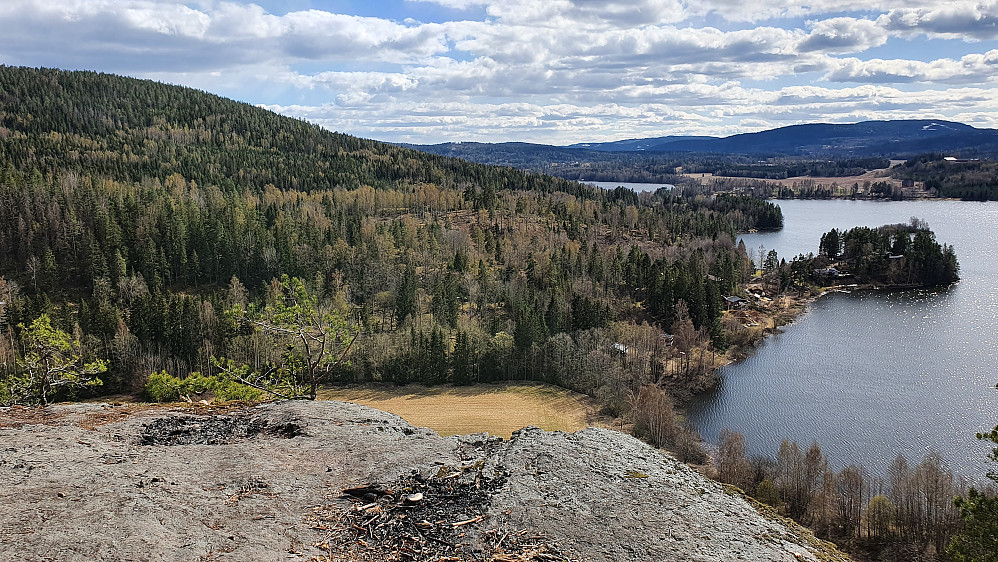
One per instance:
(260,483)
(884,139)
(816,150)
(133,130)
(143,214)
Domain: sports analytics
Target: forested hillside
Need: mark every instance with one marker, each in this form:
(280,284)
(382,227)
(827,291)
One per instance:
(893,138)
(139,222)
(130,130)
(897,138)
(573,163)
(579,163)
(971,180)
(137,215)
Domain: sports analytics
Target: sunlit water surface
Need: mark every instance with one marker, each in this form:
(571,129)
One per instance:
(869,375)
(638,187)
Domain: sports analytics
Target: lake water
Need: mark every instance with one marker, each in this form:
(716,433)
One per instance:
(873,374)
(638,187)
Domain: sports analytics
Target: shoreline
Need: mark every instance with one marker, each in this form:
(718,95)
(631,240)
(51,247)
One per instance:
(793,307)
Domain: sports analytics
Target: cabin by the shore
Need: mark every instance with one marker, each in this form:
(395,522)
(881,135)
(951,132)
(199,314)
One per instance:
(734,302)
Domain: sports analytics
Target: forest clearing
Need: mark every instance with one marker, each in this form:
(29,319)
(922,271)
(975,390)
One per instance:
(497,409)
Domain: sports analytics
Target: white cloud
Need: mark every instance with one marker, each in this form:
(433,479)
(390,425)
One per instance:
(635,13)
(954,19)
(693,109)
(588,13)
(454,4)
(971,69)
(843,35)
(959,18)
(125,33)
(533,70)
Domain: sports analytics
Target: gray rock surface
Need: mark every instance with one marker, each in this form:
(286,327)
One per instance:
(100,482)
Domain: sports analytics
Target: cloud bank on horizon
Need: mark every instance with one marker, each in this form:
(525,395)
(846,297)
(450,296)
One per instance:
(550,71)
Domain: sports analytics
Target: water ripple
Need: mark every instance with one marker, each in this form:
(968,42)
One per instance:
(870,375)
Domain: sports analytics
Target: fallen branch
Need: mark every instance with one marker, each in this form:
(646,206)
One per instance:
(469,521)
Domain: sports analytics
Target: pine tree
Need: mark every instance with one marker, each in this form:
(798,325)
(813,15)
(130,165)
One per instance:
(979,540)
(52,361)
(462,360)
(405,296)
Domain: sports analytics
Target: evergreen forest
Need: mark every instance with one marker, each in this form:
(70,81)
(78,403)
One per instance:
(137,215)
(139,221)
(970,180)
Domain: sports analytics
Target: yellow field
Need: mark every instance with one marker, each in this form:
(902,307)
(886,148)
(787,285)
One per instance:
(496,409)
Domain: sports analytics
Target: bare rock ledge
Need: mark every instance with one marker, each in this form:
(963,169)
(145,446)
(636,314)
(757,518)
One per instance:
(101,482)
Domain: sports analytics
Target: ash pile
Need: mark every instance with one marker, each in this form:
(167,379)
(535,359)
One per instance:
(215,430)
(443,517)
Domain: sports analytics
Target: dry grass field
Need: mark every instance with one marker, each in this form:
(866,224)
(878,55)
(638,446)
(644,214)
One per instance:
(844,181)
(497,409)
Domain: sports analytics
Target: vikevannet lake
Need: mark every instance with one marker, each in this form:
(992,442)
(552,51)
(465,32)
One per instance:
(637,187)
(872,374)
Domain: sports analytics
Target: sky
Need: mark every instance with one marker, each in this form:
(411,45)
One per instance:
(545,71)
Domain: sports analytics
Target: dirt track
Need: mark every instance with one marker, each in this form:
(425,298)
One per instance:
(96,482)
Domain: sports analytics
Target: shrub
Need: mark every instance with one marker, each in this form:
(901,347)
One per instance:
(164,387)
(228,390)
(656,421)
(196,383)
(766,493)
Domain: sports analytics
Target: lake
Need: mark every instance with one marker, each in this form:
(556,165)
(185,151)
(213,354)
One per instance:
(873,374)
(638,187)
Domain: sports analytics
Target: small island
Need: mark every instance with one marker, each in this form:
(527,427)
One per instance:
(893,256)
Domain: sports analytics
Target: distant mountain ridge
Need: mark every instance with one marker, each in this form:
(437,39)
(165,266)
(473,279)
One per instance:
(867,138)
(897,138)
(638,144)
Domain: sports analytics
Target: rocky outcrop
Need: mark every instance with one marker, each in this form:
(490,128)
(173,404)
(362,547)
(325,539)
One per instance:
(103,482)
